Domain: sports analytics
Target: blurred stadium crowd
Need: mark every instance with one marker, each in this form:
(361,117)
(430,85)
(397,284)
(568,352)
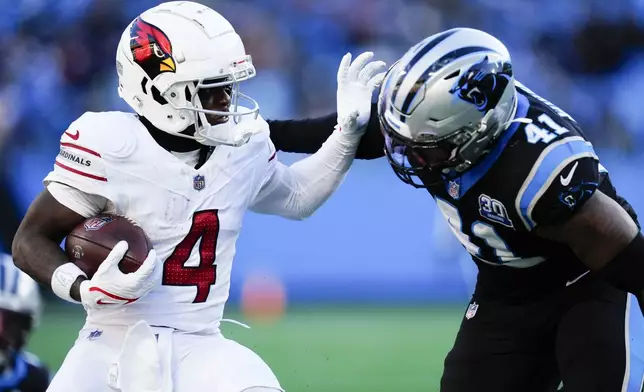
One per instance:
(58,61)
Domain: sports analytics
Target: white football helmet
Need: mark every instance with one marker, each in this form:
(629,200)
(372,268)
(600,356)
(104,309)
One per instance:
(445,101)
(19,293)
(20,308)
(170,53)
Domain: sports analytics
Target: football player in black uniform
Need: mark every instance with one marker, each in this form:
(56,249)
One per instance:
(559,253)
(20,308)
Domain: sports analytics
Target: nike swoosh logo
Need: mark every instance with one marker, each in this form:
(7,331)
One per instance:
(568,283)
(73,136)
(116,302)
(101,302)
(565,181)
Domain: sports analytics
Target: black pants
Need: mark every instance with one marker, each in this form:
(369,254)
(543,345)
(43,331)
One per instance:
(589,335)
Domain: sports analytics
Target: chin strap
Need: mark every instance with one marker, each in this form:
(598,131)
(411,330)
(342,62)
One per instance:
(230,133)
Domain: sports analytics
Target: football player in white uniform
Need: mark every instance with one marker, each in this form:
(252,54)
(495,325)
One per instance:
(180,65)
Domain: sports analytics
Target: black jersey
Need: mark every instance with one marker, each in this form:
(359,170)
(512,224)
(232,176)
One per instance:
(537,173)
(28,374)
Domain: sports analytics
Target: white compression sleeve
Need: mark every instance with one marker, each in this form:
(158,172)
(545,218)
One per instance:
(297,191)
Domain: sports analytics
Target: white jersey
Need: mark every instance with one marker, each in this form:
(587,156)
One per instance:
(192,216)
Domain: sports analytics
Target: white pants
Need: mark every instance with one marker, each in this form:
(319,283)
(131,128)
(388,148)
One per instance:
(189,362)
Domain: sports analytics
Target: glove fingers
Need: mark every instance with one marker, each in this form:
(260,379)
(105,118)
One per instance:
(358,64)
(343,69)
(376,81)
(147,268)
(370,70)
(113,258)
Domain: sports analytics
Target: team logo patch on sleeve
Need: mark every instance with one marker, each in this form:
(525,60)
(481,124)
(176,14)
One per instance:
(494,210)
(576,194)
(82,161)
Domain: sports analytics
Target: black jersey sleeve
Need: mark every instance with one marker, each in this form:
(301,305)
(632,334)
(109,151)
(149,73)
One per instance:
(561,180)
(307,135)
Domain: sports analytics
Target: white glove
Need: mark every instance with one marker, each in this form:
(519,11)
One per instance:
(356,83)
(111,287)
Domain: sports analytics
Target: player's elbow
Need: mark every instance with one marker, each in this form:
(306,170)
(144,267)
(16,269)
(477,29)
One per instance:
(301,205)
(24,243)
(305,207)
(305,214)
(300,214)
(626,270)
(20,249)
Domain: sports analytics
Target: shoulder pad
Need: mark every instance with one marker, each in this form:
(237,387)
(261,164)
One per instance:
(103,134)
(561,179)
(264,138)
(263,132)
(91,147)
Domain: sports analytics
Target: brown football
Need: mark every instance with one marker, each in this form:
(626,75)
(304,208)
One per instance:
(90,242)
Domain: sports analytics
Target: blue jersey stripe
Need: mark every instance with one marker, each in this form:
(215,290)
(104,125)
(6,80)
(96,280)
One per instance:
(11,380)
(551,161)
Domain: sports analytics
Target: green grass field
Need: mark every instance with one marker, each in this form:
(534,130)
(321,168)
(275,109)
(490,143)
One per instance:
(319,349)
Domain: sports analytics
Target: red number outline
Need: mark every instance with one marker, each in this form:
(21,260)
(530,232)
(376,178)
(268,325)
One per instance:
(205,226)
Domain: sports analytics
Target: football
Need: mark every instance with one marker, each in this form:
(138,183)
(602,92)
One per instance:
(90,242)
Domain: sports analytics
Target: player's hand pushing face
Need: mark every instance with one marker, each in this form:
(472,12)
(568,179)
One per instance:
(356,82)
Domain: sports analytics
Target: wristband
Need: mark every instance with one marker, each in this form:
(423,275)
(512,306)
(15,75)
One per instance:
(63,279)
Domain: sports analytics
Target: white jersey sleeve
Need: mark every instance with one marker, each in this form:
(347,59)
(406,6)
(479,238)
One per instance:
(80,163)
(84,204)
(90,150)
(297,191)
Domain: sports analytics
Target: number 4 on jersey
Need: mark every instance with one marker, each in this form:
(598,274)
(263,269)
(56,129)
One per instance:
(205,226)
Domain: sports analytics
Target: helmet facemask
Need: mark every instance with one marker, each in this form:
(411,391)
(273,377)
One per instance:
(417,144)
(209,129)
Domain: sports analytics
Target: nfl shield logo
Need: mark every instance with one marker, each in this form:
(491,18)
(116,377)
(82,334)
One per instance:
(199,182)
(97,222)
(471,310)
(454,189)
(95,334)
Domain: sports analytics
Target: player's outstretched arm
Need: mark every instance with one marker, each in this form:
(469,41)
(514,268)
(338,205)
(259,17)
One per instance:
(297,191)
(606,240)
(307,136)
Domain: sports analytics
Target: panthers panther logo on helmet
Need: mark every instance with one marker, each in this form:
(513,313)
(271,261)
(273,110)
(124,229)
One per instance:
(483,84)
